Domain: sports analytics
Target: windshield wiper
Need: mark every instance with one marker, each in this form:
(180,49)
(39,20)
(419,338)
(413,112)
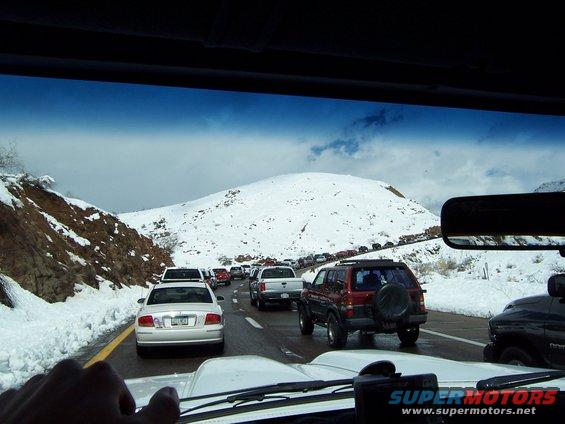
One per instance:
(516,380)
(260,393)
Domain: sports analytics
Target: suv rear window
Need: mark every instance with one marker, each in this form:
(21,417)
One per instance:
(182,274)
(218,270)
(179,295)
(373,278)
(277,273)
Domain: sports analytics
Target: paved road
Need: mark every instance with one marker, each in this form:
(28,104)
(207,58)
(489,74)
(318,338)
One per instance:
(274,333)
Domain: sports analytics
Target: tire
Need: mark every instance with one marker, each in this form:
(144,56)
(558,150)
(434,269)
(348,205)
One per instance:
(222,346)
(391,303)
(141,351)
(252,300)
(260,304)
(304,321)
(409,335)
(515,355)
(337,336)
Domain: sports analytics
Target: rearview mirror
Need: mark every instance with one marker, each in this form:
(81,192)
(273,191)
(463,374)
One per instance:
(532,221)
(556,285)
(140,301)
(220,298)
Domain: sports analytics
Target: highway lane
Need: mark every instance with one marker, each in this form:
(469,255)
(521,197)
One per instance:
(274,334)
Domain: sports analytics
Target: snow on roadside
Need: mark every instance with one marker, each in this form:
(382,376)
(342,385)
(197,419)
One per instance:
(474,283)
(36,334)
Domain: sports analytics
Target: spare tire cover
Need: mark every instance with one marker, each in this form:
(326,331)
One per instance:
(391,302)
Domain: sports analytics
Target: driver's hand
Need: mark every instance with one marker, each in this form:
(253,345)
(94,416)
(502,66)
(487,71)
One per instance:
(71,394)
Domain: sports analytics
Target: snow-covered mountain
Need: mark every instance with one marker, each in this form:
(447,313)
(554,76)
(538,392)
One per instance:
(284,216)
(558,185)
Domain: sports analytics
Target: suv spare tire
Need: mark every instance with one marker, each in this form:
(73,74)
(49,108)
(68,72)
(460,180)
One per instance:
(391,302)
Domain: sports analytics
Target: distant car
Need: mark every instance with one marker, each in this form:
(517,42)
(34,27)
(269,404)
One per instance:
(222,276)
(389,244)
(342,254)
(291,262)
(246,269)
(309,260)
(172,274)
(376,246)
(237,272)
(328,256)
(363,249)
(210,278)
(376,296)
(320,259)
(352,252)
(177,314)
(268,262)
(274,284)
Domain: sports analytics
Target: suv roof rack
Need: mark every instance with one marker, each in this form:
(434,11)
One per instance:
(365,262)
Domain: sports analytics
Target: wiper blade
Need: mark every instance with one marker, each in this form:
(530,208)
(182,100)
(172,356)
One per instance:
(516,380)
(260,393)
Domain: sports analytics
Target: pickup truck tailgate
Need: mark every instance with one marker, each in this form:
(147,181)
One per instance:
(283,284)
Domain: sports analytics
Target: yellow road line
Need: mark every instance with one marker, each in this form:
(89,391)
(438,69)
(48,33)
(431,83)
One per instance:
(106,350)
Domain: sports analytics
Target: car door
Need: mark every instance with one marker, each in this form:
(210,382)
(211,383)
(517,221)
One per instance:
(336,285)
(323,295)
(315,294)
(555,333)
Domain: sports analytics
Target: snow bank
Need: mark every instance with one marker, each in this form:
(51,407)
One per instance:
(36,334)
(475,283)
(284,217)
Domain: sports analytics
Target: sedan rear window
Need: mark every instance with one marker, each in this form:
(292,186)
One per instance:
(182,274)
(373,278)
(277,273)
(179,295)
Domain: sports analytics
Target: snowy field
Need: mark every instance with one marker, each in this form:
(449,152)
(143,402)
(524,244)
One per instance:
(474,283)
(36,334)
(283,217)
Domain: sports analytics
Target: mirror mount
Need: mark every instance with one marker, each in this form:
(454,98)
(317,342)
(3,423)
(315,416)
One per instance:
(141,300)
(220,298)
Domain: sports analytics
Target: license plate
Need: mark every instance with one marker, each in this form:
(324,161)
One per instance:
(183,320)
(284,296)
(389,325)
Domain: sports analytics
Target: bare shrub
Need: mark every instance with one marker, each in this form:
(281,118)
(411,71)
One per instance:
(10,161)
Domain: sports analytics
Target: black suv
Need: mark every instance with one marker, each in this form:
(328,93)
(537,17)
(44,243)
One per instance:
(531,331)
(373,296)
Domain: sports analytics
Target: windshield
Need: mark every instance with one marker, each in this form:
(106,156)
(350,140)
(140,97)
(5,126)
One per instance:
(182,274)
(108,191)
(277,273)
(179,295)
(371,279)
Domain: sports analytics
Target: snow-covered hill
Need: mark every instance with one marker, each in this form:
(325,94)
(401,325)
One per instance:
(285,216)
(551,186)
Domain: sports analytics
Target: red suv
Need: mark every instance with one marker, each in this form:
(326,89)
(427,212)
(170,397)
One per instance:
(373,296)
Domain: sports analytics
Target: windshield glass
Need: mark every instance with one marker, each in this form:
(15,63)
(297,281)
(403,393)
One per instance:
(181,274)
(109,190)
(371,279)
(179,295)
(277,273)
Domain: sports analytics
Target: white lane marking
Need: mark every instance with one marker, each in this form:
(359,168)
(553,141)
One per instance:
(288,352)
(235,291)
(459,339)
(234,300)
(253,323)
(241,285)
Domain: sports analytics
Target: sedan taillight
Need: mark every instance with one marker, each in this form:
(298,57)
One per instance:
(262,287)
(421,304)
(213,319)
(145,321)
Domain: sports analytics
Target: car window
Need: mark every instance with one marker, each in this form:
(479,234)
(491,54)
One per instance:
(179,295)
(339,281)
(277,273)
(319,280)
(182,274)
(373,278)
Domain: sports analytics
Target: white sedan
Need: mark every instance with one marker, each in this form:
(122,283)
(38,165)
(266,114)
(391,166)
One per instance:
(178,314)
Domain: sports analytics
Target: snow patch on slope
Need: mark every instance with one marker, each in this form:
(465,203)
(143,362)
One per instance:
(36,334)
(551,186)
(285,216)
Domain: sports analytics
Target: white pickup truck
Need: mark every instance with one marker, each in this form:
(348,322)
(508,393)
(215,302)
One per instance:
(274,284)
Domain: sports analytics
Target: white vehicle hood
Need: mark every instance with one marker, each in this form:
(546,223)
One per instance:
(241,372)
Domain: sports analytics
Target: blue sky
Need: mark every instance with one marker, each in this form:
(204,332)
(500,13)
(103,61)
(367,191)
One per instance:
(163,145)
